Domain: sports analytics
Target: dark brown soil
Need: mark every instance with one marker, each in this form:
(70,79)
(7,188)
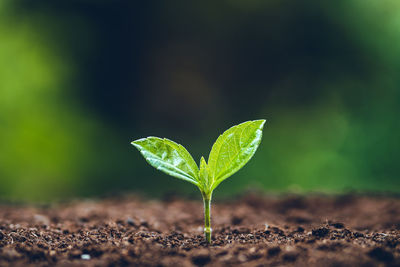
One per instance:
(250,231)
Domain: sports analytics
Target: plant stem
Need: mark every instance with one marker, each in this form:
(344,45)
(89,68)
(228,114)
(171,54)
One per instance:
(207,217)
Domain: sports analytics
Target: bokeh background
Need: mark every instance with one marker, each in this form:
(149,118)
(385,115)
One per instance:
(80,79)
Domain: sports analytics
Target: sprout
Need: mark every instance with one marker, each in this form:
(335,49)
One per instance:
(232,150)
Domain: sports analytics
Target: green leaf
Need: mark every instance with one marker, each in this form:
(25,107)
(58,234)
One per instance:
(168,157)
(204,175)
(233,149)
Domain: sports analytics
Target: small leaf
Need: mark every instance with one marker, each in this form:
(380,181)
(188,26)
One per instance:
(233,149)
(204,175)
(168,157)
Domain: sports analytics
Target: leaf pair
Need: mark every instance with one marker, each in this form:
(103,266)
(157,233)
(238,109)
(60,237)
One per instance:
(232,150)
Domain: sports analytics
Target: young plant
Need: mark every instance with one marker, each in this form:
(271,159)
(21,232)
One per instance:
(232,150)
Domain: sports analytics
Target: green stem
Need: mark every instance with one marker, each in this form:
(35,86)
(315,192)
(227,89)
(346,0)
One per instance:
(207,217)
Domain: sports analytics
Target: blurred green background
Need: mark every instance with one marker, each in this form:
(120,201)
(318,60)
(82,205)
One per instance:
(80,79)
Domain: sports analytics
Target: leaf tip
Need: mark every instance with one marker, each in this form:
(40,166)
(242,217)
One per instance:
(261,123)
(137,142)
(202,161)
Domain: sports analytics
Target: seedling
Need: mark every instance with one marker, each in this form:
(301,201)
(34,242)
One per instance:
(232,150)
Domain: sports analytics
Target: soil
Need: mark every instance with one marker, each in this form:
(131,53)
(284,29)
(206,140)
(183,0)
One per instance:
(252,230)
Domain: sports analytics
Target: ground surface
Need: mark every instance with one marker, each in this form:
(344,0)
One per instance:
(250,231)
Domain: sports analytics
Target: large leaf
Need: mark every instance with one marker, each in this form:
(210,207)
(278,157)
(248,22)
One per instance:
(233,149)
(168,157)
